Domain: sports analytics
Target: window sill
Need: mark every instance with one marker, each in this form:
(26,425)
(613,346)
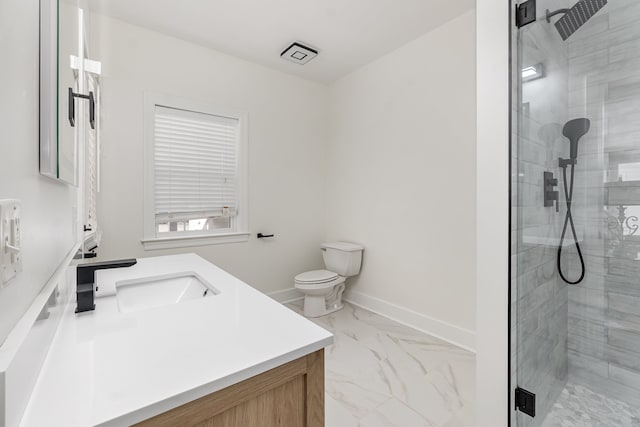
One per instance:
(188,241)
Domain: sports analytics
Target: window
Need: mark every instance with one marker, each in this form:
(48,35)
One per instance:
(195,174)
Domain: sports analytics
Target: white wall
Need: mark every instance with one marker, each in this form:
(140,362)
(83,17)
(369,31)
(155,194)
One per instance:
(401,177)
(287,134)
(493,207)
(388,152)
(47,206)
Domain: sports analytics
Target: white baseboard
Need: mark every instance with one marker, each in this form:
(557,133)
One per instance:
(286,295)
(456,335)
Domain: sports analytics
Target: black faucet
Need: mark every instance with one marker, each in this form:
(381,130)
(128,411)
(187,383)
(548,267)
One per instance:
(85,278)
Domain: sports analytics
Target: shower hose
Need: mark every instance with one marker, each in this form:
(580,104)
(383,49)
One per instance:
(568,220)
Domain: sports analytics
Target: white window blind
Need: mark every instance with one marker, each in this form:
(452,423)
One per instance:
(195,164)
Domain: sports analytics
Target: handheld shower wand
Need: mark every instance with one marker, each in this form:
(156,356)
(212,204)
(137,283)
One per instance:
(573,130)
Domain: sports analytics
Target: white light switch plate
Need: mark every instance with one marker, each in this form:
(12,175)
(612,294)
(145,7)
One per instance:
(10,241)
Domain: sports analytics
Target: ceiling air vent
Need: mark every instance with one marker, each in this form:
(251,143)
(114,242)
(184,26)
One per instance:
(299,53)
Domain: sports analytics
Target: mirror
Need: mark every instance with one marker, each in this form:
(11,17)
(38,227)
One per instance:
(69,112)
(61,44)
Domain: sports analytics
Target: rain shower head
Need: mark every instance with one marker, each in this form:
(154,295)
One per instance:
(575,17)
(574,130)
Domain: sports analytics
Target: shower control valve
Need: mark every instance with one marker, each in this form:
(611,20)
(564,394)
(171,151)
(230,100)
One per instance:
(550,193)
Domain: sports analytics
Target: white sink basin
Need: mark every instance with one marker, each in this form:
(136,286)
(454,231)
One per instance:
(158,291)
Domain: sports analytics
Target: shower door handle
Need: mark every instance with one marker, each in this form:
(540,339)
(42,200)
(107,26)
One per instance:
(72,107)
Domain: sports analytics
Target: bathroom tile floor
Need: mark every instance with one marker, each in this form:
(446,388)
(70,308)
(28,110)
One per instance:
(579,406)
(382,373)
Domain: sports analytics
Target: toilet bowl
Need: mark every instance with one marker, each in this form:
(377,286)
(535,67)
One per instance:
(323,289)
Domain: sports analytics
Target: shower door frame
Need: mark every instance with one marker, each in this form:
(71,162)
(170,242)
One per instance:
(514,190)
(513,4)
(512,312)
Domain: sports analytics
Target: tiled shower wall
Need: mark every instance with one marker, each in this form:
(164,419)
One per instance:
(604,310)
(539,297)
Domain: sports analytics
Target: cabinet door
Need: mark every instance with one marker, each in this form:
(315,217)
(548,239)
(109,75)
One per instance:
(286,396)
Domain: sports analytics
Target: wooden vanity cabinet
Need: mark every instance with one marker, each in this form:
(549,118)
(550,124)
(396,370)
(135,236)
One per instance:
(291,395)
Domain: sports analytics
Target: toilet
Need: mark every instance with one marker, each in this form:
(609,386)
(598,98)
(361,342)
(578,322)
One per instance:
(323,289)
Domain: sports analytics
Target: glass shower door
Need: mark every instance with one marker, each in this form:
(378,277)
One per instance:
(576,191)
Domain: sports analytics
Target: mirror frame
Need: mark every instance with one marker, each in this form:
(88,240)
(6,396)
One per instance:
(50,105)
(49,88)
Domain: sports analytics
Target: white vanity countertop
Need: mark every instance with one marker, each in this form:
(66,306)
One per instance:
(111,368)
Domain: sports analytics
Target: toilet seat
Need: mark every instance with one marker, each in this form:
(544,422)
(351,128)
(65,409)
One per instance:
(321,287)
(316,277)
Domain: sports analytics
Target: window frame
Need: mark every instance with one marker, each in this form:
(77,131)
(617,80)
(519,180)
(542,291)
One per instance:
(151,239)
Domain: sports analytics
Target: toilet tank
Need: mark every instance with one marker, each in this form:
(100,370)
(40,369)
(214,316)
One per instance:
(342,258)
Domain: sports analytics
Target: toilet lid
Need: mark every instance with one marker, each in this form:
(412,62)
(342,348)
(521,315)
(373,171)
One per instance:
(316,276)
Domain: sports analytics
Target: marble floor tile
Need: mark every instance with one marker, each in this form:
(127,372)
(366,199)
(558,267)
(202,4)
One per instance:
(464,418)
(579,406)
(336,414)
(395,413)
(382,373)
